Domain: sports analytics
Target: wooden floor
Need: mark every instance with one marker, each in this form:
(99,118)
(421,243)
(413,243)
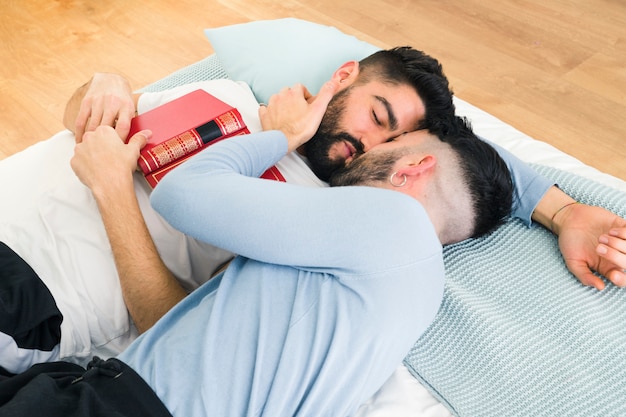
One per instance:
(555,69)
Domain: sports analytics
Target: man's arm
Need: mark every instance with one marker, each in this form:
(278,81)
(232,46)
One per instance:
(590,238)
(105,165)
(106,99)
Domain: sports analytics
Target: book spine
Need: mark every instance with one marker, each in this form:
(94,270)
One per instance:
(189,141)
(155,176)
(170,150)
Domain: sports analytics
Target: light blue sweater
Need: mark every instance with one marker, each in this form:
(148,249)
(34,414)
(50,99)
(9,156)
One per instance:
(530,186)
(332,288)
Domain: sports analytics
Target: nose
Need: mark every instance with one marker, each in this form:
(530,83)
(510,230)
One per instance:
(372,140)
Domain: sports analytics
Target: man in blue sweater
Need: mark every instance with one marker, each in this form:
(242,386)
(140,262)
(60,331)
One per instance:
(309,322)
(370,108)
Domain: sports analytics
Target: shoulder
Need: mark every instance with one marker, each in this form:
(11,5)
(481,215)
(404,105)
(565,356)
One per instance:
(386,229)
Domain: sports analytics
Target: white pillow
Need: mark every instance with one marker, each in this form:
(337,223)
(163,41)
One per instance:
(272,54)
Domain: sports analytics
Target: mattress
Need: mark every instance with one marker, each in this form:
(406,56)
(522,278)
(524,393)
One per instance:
(517,334)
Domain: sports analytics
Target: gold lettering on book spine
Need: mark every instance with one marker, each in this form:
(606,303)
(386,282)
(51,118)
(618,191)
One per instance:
(172,149)
(229,122)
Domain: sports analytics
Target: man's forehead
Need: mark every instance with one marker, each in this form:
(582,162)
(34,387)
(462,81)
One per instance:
(401,99)
(384,89)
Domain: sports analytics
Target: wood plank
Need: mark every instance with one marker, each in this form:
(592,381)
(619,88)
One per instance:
(554,70)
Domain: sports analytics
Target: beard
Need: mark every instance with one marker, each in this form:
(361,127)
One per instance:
(368,169)
(328,134)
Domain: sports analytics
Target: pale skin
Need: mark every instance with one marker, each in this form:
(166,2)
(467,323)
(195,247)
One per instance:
(590,238)
(106,165)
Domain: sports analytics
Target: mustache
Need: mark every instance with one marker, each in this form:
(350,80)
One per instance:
(318,152)
(344,136)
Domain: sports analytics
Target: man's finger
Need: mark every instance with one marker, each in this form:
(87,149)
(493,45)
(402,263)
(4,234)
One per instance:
(140,139)
(307,94)
(326,93)
(122,125)
(82,120)
(585,276)
(617,277)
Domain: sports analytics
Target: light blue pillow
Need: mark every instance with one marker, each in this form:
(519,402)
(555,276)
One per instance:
(272,54)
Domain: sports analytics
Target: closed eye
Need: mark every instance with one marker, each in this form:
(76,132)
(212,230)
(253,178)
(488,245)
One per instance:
(395,137)
(376,119)
(391,116)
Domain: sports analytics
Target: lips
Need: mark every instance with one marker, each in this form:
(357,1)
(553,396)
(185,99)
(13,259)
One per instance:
(341,150)
(349,151)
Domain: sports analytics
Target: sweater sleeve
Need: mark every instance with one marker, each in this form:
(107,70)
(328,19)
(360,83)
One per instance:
(216,197)
(530,186)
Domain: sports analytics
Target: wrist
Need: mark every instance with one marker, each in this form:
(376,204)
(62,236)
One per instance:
(113,188)
(546,210)
(559,215)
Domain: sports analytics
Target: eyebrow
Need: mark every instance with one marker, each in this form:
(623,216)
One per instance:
(393,120)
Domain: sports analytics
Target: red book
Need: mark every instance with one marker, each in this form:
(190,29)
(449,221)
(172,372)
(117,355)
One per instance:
(183,127)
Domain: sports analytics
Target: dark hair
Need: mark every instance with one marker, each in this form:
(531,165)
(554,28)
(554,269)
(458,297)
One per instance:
(486,173)
(406,65)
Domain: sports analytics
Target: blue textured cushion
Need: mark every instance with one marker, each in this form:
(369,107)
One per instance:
(272,54)
(517,334)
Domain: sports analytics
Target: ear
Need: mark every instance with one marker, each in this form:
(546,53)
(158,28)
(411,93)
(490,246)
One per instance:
(419,168)
(346,74)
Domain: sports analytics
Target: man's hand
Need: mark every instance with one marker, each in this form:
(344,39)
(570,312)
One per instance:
(106,100)
(593,239)
(103,162)
(296,112)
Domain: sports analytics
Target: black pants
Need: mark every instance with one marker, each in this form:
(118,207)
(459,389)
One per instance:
(28,312)
(105,389)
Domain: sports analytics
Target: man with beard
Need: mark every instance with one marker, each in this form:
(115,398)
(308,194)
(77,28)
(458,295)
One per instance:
(310,325)
(376,101)
(391,109)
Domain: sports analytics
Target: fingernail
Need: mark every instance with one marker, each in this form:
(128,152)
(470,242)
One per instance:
(603,239)
(602,250)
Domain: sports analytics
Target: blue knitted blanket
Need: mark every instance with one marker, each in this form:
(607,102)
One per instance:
(209,68)
(518,335)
